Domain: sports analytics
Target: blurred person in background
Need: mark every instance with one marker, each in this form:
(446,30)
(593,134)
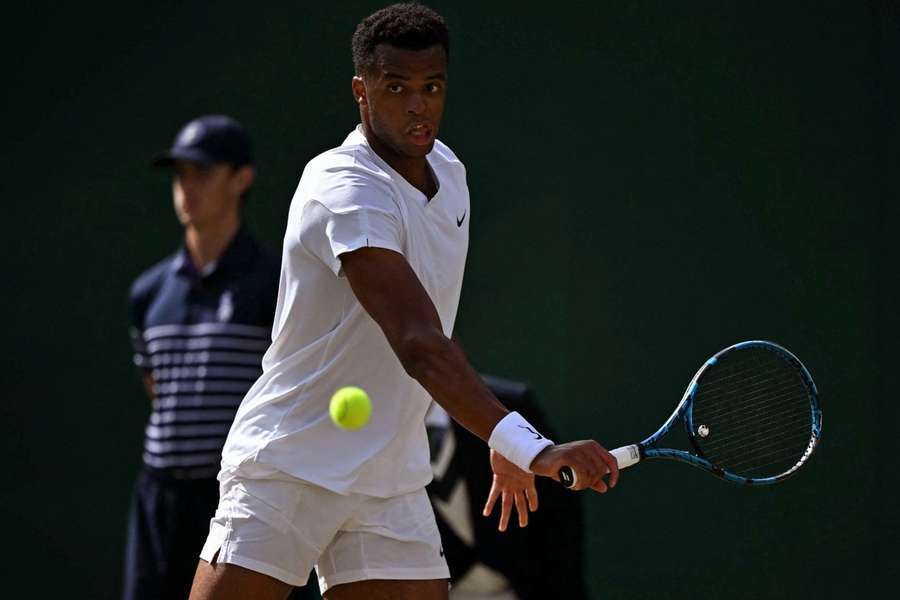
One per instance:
(201,321)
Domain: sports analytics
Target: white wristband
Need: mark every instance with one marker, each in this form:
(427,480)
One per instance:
(517,440)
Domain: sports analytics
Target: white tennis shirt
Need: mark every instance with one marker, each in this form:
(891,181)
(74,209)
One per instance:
(323,339)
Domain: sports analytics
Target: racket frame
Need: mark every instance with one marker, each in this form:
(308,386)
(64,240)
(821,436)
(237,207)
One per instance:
(684,412)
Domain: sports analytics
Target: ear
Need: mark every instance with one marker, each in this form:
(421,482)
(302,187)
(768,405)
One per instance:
(244,178)
(359,90)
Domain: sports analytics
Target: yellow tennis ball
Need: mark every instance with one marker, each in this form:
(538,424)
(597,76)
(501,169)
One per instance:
(350,408)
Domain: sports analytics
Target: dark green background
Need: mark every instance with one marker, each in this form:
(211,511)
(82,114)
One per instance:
(651,181)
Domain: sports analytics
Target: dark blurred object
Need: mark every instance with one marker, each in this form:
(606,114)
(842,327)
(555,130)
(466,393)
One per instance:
(543,560)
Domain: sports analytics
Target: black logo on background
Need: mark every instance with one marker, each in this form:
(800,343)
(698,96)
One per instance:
(537,436)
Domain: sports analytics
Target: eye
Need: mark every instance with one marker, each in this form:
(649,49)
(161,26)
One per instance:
(433,88)
(395,88)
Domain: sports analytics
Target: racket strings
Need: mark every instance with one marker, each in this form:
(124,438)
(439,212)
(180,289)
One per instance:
(745,374)
(774,413)
(750,407)
(752,460)
(778,428)
(776,405)
(776,454)
(756,411)
(749,389)
(748,459)
(751,393)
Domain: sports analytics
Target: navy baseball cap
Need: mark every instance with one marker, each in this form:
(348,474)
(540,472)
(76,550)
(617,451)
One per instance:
(209,140)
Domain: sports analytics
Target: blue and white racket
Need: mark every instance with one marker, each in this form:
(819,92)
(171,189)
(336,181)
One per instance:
(751,414)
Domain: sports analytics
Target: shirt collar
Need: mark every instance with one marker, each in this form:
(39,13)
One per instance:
(237,252)
(357,137)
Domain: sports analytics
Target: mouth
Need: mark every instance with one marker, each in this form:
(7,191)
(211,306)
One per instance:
(421,134)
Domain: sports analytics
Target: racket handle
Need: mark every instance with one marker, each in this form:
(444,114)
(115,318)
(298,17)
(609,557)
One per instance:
(625,457)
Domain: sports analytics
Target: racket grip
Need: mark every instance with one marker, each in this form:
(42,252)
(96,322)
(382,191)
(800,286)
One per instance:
(625,457)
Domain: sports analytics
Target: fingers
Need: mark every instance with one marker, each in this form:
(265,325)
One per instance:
(522,500)
(532,494)
(491,500)
(600,486)
(522,509)
(613,466)
(517,492)
(590,463)
(593,482)
(589,467)
(506,505)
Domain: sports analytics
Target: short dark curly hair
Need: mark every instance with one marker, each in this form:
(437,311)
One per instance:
(410,26)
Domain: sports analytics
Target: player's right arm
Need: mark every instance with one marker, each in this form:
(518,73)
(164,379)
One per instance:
(349,219)
(389,290)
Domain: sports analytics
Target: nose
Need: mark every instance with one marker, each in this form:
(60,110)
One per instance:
(416,104)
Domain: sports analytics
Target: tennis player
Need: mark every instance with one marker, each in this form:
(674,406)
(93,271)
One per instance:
(372,268)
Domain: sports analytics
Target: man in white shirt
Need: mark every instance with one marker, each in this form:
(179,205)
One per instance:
(371,274)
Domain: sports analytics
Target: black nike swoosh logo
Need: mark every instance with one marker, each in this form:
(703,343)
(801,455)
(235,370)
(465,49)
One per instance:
(537,436)
(459,221)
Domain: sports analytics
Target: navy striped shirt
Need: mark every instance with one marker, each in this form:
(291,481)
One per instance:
(201,335)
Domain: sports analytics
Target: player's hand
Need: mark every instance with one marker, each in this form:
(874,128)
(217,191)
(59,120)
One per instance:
(513,486)
(589,460)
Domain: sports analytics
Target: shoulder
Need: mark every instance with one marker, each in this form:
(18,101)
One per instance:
(147,284)
(441,154)
(146,287)
(352,160)
(345,179)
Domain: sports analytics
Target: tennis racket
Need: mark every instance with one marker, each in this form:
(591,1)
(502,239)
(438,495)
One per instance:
(751,415)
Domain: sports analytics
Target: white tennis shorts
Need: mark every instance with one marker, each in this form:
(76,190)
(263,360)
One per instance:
(282,527)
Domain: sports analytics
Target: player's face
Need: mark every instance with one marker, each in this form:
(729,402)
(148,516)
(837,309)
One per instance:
(402,99)
(204,195)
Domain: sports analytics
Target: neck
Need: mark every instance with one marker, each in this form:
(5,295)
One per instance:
(207,244)
(413,169)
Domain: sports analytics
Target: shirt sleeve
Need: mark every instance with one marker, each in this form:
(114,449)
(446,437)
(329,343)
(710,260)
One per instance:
(356,216)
